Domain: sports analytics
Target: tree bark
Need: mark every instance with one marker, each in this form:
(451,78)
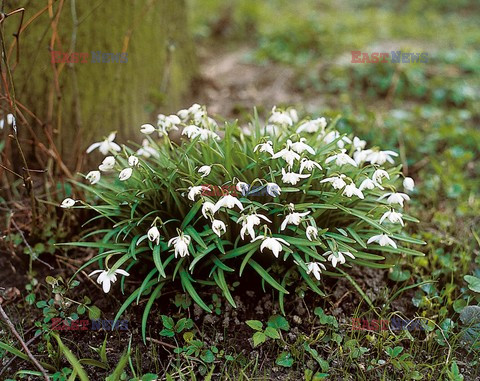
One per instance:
(77,103)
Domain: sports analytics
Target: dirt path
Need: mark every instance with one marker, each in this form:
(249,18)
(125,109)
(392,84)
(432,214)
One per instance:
(231,83)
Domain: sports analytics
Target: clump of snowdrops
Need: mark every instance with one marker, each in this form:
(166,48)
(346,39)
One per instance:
(292,199)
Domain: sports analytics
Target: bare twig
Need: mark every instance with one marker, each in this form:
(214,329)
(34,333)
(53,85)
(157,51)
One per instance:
(25,347)
(162,343)
(13,358)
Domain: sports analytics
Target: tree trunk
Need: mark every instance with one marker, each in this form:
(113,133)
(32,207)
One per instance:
(77,103)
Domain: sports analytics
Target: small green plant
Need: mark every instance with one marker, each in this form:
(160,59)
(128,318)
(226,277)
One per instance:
(170,328)
(261,335)
(61,305)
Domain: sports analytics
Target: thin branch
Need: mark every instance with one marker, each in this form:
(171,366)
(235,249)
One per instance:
(25,348)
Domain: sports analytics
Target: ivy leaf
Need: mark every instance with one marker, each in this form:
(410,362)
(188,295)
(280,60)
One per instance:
(272,333)
(255,324)
(149,377)
(473,282)
(399,275)
(94,312)
(259,338)
(284,359)
(278,322)
(394,352)
(168,322)
(167,333)
(208,356)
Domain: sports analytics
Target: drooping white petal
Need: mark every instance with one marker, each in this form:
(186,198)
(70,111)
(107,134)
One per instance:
(93,177)
(68,203)
(408,184)
(125,174)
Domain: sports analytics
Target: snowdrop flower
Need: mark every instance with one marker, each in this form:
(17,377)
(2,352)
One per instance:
(68,203)
(210,123)
(273,189)
(369,184)
(378,175)
(218,227)
(271,130)
(393,217)
(380,157)
(206,134)
(281,118)
(167,123)
(199,116)
(107,164)
(180,244)
(358,143)
(10,121)
(315,268)
(132,161)
(293,114)
(243,188)
(229,202)
(191,131)
(312,126)
(333,135)
(205,170)
(301,146)
(395,198)
(383,240)
(311,233)
(308,165)
(351,190)
(287,154)
(195,191)
(107,277)
(247,131)
(93,177)
(339,258)
(249,222)
(264,147)
(293,218)
(408,184)
(192,110)
(154,234)
(272,243)
(361,155)
(107,145)
(125,174)
(147,129)
(208,207)
(291,177)
(341,159)
(147,150)
(183,114)
(337,181)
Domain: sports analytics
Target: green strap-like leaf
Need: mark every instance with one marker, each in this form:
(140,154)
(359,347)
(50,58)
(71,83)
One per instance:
(188,287)
(266,276)
(147,309)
